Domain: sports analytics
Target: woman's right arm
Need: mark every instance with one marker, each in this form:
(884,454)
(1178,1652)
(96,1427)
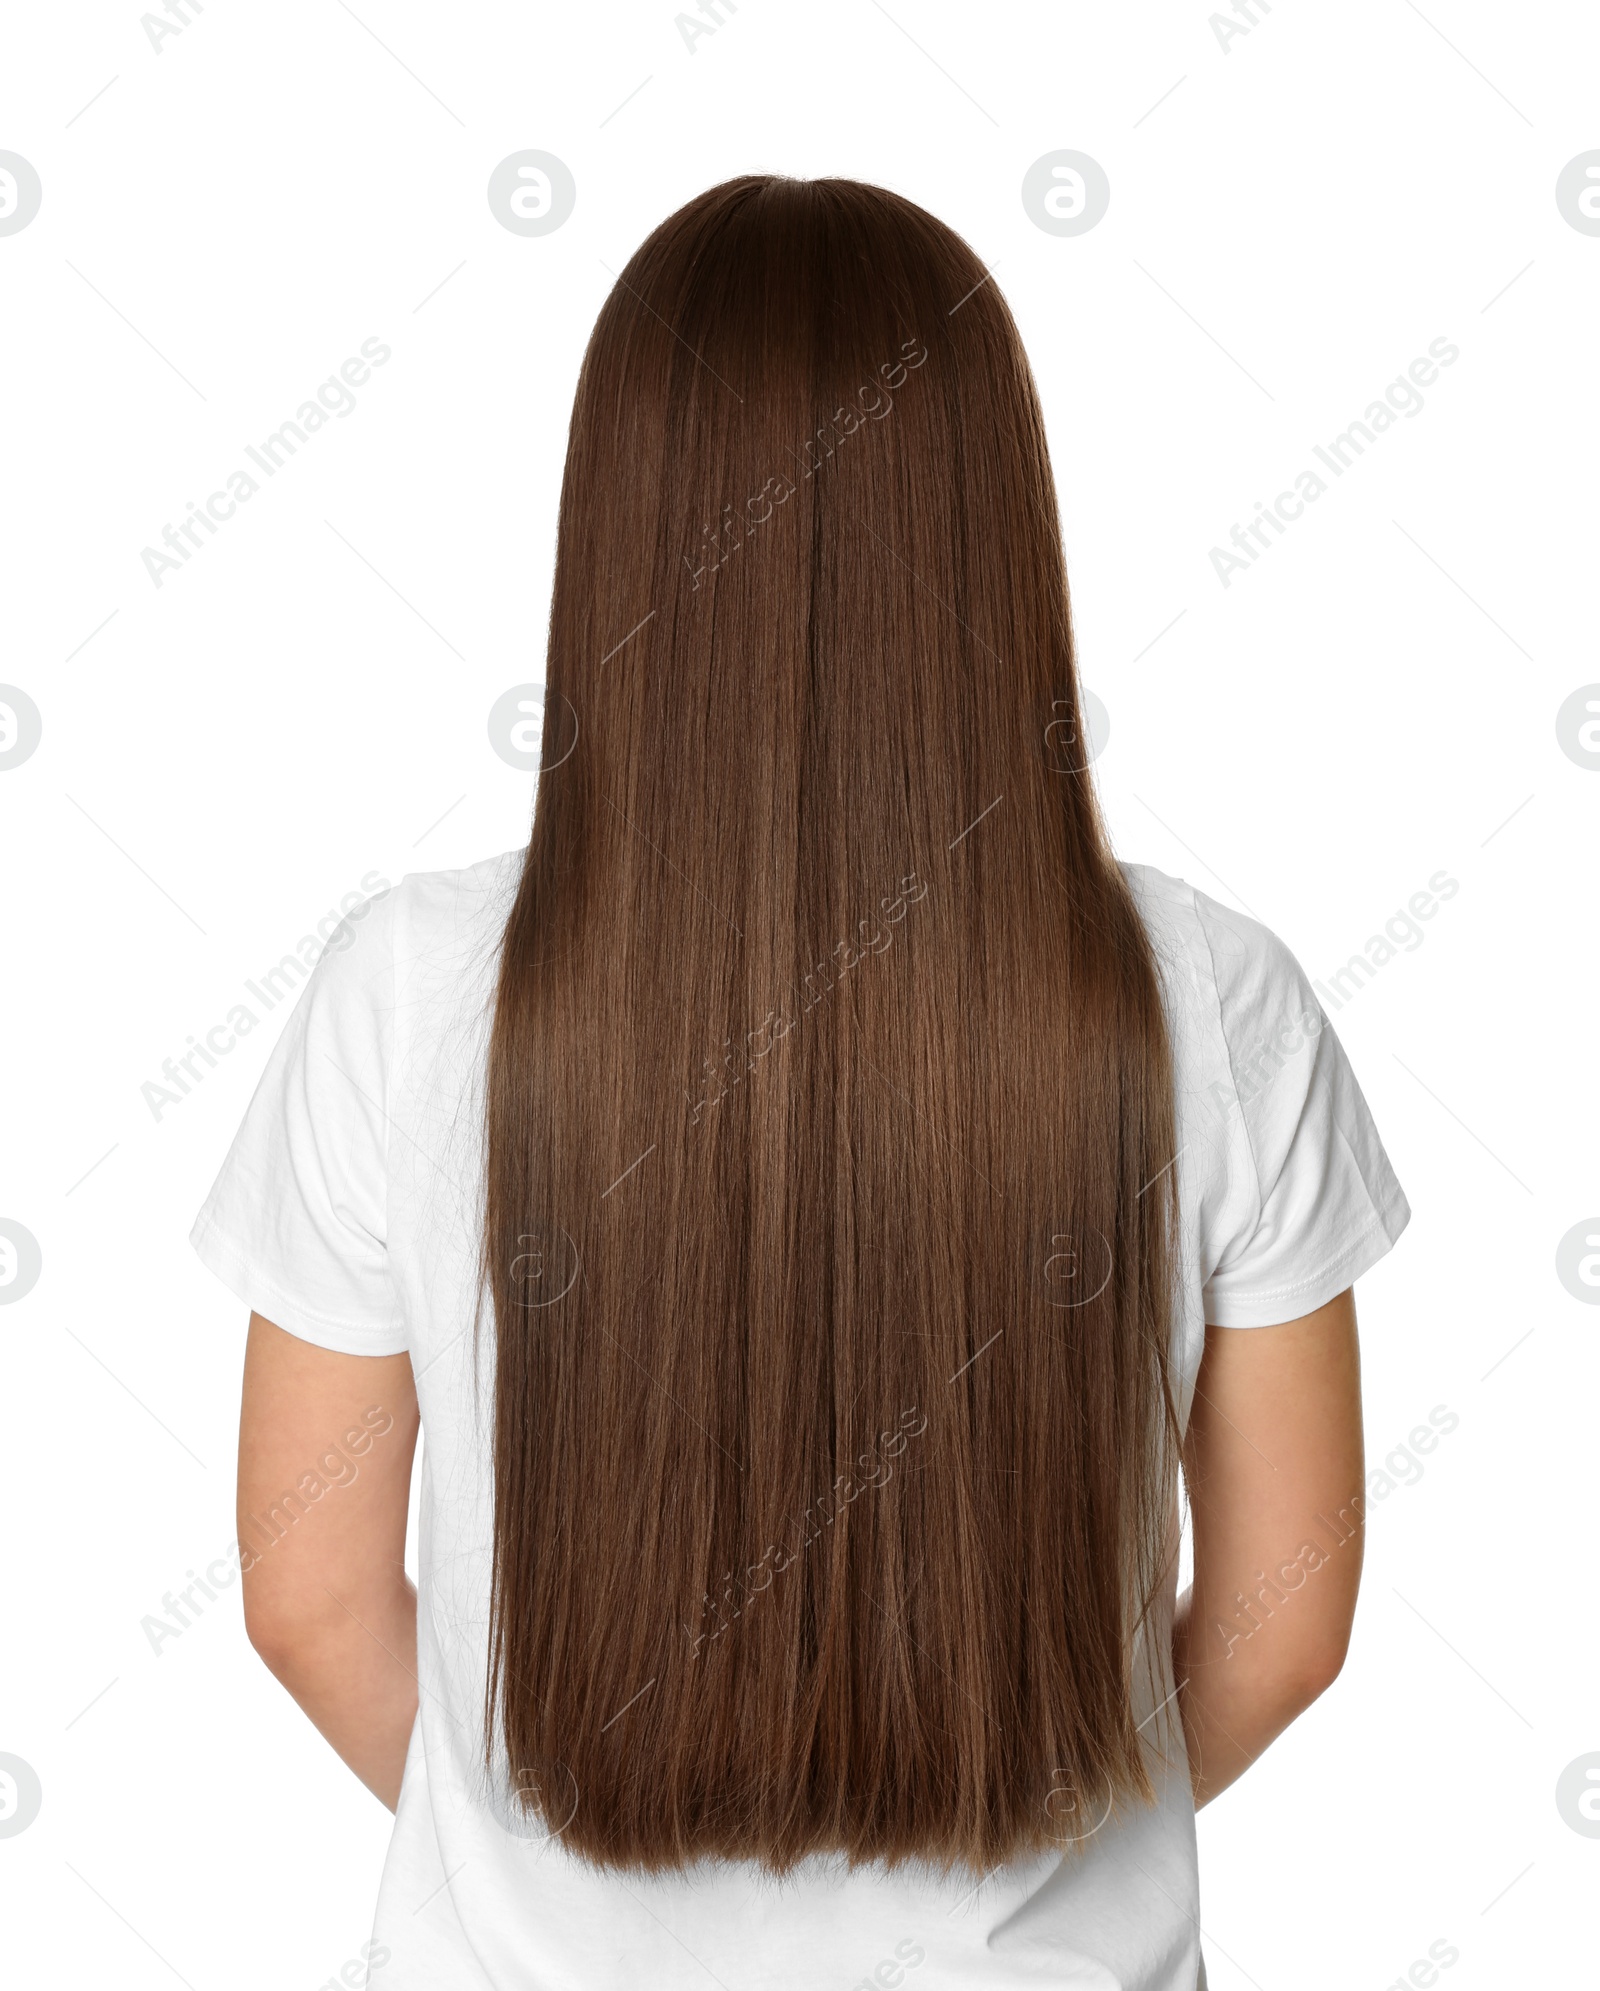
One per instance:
(1274,1467)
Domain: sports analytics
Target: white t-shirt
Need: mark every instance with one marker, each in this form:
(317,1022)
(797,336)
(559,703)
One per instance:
(348,1213)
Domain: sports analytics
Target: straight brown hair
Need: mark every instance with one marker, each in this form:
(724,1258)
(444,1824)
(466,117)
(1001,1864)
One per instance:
(829,1202)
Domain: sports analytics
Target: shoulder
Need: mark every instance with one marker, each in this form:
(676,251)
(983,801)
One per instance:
(1245,969)
(446,928)
(446,921)
(431,932)
(1241,1009)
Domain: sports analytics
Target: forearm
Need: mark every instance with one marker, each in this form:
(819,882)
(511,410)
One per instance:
(1233,1702)
(352,1668)
(1274,1472)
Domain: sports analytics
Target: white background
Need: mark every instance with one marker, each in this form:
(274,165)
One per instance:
(1292,221)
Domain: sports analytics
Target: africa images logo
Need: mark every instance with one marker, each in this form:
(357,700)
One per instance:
(1402,397)
(334,399)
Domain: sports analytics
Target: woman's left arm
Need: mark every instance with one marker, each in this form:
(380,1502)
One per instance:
(326,1443)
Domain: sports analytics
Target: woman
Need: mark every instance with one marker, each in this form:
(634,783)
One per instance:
(797,1196)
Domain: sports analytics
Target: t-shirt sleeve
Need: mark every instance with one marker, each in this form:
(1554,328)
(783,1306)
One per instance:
(296,1223)
(1320,1203)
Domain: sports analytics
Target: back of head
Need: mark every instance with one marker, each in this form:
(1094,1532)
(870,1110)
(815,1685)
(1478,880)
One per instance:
(829,1208)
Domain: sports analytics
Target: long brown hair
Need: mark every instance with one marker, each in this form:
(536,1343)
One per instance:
(829,1221)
